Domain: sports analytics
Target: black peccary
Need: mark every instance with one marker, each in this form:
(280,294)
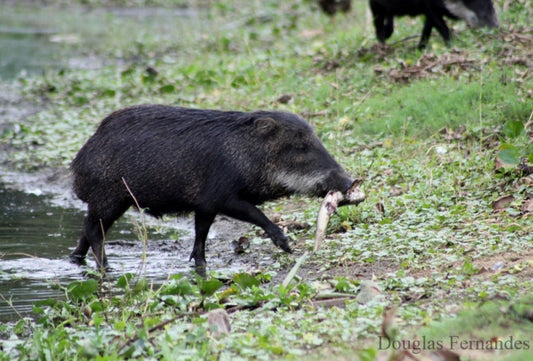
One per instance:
(176,159)
(476,13)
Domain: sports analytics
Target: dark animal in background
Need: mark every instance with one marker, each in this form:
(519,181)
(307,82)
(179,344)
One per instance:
(176,159)
(331,7)
(476,13)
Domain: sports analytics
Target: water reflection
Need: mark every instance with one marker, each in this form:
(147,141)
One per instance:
(33,236)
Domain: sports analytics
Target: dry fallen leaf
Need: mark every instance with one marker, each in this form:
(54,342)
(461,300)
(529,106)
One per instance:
(311,33)
(284,99)
(241,245)
(404,355)
(527,206)
(220,319)
(450,134)
(369,291)
(379,207)
(498,165)
(502,202)
(430,65)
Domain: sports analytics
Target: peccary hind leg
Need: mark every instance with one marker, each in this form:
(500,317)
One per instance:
(91,237)
(78,255)
(94,229)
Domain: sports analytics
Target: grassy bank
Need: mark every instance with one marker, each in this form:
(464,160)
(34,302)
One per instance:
(442,246)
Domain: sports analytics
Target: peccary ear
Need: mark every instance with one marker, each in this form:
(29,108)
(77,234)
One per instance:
(266,125)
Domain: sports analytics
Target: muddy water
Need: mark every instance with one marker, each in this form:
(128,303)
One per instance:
(35,240)
(37,236)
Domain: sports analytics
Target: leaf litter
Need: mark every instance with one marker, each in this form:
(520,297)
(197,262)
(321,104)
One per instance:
(517,51)
(429,65)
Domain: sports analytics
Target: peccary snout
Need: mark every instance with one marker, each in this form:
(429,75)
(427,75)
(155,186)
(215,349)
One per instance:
(476,13)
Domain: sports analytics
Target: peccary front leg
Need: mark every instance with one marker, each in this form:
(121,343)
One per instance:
(443,29)
(202,223)
(440,24)
(426,33)
(245,211)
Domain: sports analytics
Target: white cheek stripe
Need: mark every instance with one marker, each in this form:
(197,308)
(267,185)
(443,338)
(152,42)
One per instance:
(299,183)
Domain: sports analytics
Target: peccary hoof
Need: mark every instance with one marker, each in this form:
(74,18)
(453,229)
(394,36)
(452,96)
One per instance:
(284,245)
(286,248)
(78,259)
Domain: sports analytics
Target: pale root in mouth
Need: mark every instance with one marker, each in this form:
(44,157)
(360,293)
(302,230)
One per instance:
(329,205)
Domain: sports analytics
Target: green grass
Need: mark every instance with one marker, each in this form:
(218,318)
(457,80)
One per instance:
(427,234)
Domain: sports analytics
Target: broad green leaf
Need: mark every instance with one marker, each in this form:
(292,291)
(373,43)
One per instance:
(182,287)
(343,285)
(119,325)
(141,285)
(82,289)
(124,280)
(109,93)
(97,306)
(369,354)
(246,280)
(208,287)
(509,154)
(49,302)
(513,128)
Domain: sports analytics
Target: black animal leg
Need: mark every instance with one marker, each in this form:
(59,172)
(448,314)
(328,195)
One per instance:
(389,27)
(78,255)
(434,21)
(247,212)
(94,229)
(93,234)
(379,25)
(443,30)
(202,223)
(426,33)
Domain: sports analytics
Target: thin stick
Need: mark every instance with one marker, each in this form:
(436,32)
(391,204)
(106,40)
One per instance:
(131,194)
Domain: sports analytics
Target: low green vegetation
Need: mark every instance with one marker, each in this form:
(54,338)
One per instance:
(442,139)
